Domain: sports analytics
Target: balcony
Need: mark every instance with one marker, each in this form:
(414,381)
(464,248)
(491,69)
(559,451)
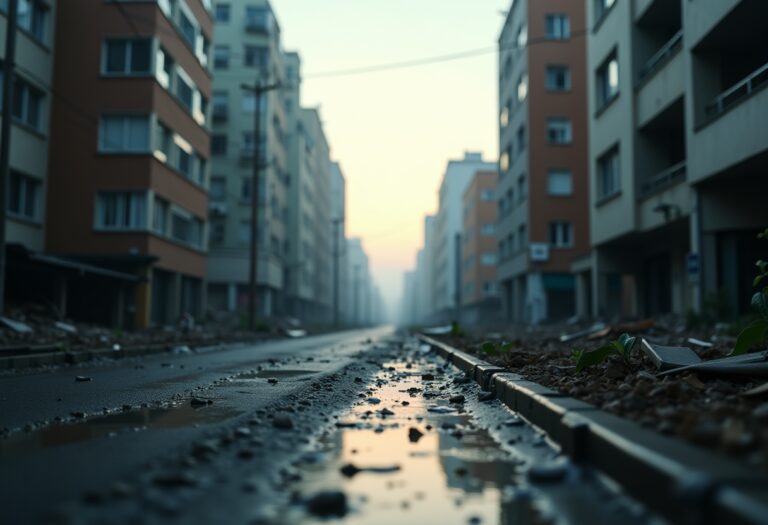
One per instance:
(755,81)
(671,176)
(661,57)
(259,23)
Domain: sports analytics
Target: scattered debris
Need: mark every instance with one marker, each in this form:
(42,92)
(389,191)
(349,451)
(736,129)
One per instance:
(699,342)
(16,326)
(82,379)
(669,357)
(328,503)
(597,327)
(65,327)
(414,435)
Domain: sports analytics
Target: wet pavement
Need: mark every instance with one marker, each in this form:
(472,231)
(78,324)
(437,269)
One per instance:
(384,432)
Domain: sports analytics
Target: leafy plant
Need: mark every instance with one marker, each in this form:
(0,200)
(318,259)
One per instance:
(621,347)
(456,330)
(757,331)
(495,348)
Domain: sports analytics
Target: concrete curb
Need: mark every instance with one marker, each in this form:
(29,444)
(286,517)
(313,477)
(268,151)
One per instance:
(679,481)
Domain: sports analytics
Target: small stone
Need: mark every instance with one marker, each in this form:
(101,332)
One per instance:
(405,403)
(328,503)
(82,379)
(175,480)
(198,402)
(242,432)
(272,381)
(428,377)
(282,422)
(349,470)
(487,396)
(456,399)
(414,435)
(548,471)
(373,400)
(384,412)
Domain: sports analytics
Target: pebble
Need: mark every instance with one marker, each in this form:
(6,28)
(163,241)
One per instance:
(82,379)
(414,435)
(282,422)
(328,503)
(456,399)
(373,400)
(548,471)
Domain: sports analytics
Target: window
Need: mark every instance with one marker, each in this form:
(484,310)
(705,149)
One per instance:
(245,189)
(128,57)
(185,91)
(121,211)
(558,78)
(258,18)
(488,258)
(256,56)
(24,196)
(522,87)
(601,9)
(188,28)
(560,182)
(560,234)
(504,117)
(31,16)
(160,216)
(522,237)
(218,190)
(486,195)
(124,134)
(607,81)
(522,188)
(221,57)
(249,102)
(27,103)
(220,104)
(244,233)
(488,229)
(222,13)
(163,142)
(558,27)
(217,231)
(608,181)
(186,229)
(521,139)
(489,288)
(164,68)
(218,144)
(559,131)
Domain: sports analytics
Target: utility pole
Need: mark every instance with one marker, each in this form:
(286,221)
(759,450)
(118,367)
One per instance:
(336,223)
(258,90)
(5,133)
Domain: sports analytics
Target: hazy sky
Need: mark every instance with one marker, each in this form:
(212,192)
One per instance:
(394,131)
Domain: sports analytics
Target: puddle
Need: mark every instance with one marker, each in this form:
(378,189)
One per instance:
(449,471)
(172,416)
(416,464)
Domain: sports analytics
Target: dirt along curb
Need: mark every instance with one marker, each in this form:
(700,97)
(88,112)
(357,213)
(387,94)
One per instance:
(679,481)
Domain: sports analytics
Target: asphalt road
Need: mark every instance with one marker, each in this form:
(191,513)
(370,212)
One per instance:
(67,438)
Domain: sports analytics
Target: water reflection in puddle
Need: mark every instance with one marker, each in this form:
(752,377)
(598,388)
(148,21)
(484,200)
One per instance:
(448,470)
(170,416)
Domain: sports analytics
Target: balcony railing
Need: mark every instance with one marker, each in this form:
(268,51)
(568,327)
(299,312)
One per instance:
(667,178)
(756,80)
(661,56)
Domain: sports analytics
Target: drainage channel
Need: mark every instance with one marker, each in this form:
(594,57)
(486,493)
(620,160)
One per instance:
(424,445)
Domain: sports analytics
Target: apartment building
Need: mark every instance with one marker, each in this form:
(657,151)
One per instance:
(448,224)
(310,285)
(677,152)
(542,189)
(246,52)
(480,295)
(128,155)
(339,261)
